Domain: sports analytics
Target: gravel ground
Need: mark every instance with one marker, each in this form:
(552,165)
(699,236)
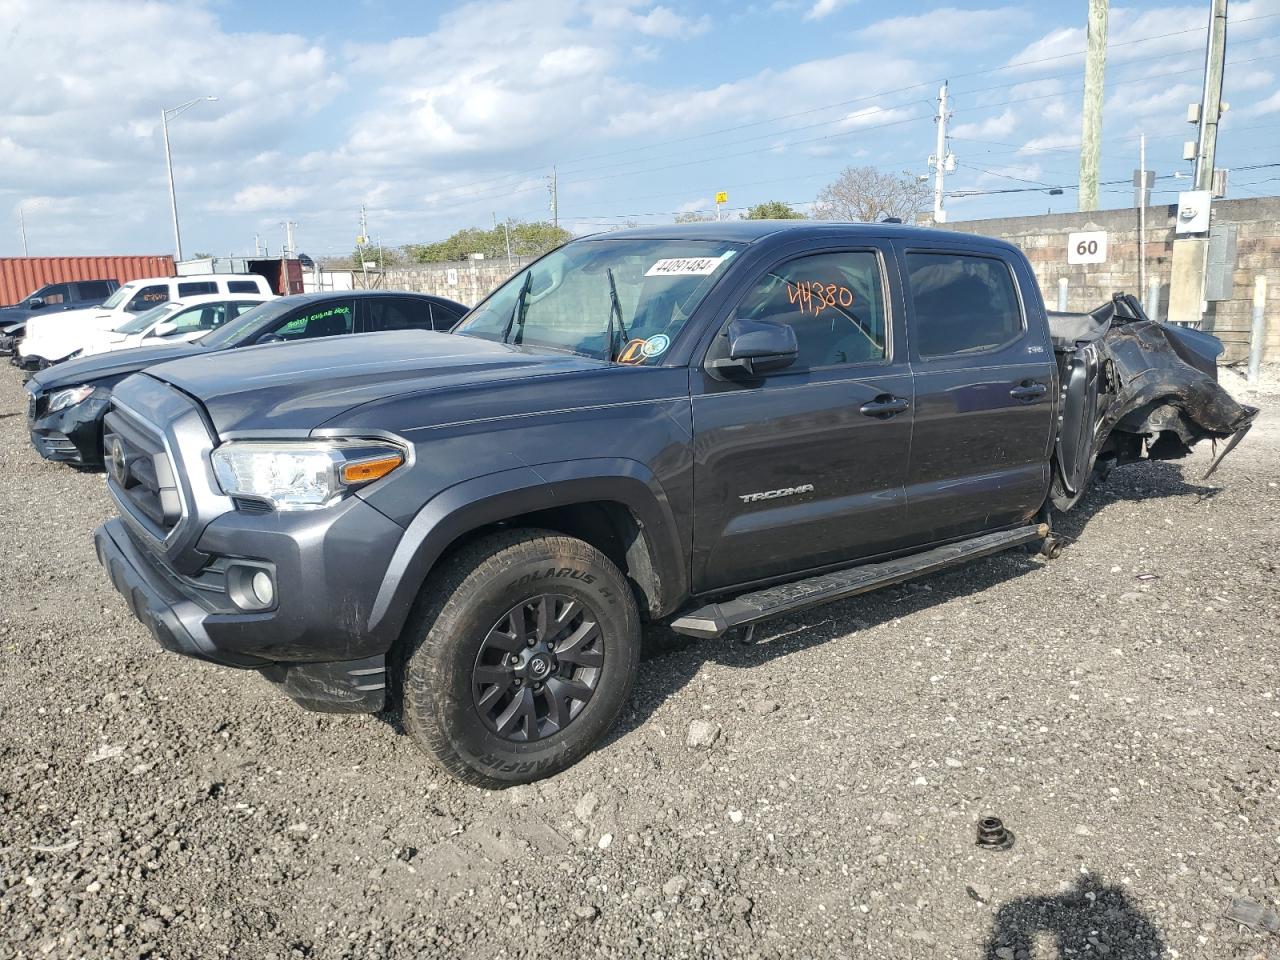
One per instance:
(1119,707)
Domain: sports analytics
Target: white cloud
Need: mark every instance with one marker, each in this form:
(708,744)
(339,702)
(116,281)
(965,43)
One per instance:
(824,8)
(947,26)
(1263,107)
(267,196)
(992,127)
(658,21)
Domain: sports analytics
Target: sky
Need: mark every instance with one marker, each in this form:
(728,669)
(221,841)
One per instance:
(440,116)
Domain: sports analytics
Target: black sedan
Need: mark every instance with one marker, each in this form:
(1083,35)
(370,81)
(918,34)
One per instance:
(66,402)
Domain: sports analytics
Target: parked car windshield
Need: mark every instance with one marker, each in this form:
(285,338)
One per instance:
(622,300)
(119,297)
(147,318)
(229,334)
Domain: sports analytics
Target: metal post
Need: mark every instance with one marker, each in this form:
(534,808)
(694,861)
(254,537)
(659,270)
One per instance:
(940,158)
(1152,306)
(555,199)
(1258,335)
(1211,99)
(1095,68)
(1062,294)
(22,225)
(173,196)
(1142,214)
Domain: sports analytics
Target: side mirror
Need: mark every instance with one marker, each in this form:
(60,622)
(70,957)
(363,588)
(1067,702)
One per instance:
(757,347)
(270,338)
(35,303)
(166,329)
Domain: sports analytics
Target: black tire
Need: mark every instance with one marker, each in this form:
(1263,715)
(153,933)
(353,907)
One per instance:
(470,608)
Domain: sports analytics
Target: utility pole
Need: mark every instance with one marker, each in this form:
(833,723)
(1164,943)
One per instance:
(165,117)
(257,245)
(1143,196)
(288,238)
(22,225)
(1211,107)
(555,199)
(360,244)
(942,161)
(1095,68)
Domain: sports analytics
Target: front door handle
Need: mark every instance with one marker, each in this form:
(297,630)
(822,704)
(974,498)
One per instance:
(1028,390)
(885,406)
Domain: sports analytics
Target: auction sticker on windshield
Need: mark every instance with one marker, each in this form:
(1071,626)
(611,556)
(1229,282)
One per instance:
(685,267)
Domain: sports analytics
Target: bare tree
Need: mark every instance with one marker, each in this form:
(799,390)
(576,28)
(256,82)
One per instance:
(868,195)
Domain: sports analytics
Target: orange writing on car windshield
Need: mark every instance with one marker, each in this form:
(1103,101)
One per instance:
(815,296)
(633,352)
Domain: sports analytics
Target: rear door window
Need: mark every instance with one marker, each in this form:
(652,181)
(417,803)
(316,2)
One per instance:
(148,297)
(243,286)
(93,289)
(242,306)
(197,288)
(833,301)
(397,313)
(961,304)
(328,319)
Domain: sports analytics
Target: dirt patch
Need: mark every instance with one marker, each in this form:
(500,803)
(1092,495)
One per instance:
(1118,707)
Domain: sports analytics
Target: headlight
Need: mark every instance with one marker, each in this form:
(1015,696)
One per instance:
(302,475)
(61,399)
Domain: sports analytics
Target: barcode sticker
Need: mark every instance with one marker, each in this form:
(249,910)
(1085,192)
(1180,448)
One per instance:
(685,267)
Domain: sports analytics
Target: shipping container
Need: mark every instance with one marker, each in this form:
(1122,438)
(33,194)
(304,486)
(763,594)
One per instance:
(20,276)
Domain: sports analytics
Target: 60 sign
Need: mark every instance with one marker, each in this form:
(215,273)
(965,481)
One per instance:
(1087,247)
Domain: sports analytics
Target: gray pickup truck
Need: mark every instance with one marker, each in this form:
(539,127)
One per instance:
(705,425)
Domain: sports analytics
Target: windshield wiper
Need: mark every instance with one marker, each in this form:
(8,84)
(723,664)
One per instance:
(518,309)
(615,310)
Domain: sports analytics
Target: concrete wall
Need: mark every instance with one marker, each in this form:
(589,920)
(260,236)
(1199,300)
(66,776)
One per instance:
(469,281)
(1044,240)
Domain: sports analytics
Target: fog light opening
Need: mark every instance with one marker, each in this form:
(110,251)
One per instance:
(264,591)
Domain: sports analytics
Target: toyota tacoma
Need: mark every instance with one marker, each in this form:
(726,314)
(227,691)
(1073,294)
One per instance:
(706,425)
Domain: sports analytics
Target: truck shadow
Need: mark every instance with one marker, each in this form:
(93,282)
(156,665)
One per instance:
(1092,918)
(670,661)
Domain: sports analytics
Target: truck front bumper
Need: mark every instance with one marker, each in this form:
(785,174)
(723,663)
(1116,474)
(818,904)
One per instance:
(190,616)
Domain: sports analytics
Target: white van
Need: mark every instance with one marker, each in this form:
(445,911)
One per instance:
(177,321)
(56,337)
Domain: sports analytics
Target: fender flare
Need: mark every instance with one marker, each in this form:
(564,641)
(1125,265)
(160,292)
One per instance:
(485,500)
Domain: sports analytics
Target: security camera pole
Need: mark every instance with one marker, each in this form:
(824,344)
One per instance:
(165,117)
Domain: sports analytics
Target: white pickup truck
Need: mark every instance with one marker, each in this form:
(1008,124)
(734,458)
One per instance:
(51,339)
(177,321)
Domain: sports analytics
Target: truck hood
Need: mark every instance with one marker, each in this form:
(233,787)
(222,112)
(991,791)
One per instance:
(297,387)
(114,365)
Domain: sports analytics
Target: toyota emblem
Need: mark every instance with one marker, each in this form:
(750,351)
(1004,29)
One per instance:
(116,460)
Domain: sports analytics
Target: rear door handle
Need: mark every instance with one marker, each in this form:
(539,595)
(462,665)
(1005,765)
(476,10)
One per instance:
(1028,390)
(885,406)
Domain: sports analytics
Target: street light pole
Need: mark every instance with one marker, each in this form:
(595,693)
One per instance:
(165,115)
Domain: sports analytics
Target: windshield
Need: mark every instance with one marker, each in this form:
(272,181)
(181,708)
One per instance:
(622,300)
(229,334)
(147,318)
(119,297)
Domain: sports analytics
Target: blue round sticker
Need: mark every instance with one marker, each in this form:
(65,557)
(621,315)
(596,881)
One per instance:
(656,345)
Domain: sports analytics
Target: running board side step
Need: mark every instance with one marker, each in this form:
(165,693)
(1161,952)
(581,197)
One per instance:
(716,619)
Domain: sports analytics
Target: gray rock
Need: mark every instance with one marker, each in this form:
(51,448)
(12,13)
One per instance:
(702,735)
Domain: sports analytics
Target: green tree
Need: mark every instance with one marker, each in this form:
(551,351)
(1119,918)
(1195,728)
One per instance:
(527,240)
(773,210)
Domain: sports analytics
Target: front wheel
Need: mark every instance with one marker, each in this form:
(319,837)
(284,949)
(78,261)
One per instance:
(521,656)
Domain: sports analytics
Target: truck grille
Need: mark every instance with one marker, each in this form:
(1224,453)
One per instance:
(140,468)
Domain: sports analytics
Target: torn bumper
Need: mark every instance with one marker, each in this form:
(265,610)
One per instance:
(72,435)
(191,617)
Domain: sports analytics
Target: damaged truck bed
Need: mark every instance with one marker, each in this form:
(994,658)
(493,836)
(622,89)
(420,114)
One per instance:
(1132,386)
